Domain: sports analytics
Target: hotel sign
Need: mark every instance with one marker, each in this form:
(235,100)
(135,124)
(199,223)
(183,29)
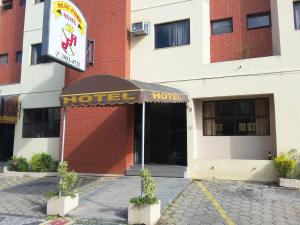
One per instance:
(120,97)
(64,34)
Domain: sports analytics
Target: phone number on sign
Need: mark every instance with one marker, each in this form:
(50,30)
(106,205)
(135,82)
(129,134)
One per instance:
(67,59)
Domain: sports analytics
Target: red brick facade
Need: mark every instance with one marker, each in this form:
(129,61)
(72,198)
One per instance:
(11,40)
(100,139)
(241,43)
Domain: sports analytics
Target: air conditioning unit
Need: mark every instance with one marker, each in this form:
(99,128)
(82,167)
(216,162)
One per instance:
(140,28)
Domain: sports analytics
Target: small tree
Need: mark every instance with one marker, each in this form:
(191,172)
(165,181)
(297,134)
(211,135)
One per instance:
(149,189)
(67,183)
(285,166)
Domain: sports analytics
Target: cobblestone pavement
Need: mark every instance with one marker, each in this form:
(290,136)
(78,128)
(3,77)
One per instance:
(224,202)
(110,202)
(22,200)
(103,201)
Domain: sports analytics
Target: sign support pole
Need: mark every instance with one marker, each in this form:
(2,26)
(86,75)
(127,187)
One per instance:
(143,144)
(63,136)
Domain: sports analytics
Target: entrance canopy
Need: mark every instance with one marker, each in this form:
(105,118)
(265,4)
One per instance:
(101,90)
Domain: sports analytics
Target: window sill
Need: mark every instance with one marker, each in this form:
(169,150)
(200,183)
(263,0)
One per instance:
(41,138)
(232,136)
(171,47)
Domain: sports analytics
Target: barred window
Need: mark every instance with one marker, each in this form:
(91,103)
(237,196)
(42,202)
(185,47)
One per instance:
(242,117)
(41,123)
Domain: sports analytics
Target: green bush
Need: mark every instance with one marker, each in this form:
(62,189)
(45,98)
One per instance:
(285,166)
(67,183)
(18,164)
(149,190)
(41,162)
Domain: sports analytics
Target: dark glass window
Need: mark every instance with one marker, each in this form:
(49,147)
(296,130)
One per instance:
(260,20)
(172,34)
(297,14)
(38,1)
(22,2)
(4,59)
(7,4)
(222,26)
(236,117)
(36,55)
(36,52)
(19,57)
(41,123)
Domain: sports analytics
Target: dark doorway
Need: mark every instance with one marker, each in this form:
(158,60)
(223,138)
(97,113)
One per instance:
(165,134)
(7,132)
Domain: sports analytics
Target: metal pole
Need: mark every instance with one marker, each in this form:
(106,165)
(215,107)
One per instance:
(63,137)
(143,135)
(143,145)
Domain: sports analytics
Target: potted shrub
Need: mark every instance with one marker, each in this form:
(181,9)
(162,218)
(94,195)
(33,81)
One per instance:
(66,198)
(286,168)
(145,209)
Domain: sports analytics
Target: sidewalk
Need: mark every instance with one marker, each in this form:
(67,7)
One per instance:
(110,202)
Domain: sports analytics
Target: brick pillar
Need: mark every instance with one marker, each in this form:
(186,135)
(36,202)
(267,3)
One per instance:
(100,139)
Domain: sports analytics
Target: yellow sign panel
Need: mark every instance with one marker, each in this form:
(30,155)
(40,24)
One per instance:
(60,5)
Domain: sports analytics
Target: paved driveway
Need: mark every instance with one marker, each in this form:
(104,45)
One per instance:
(22,200)
(110,202)
(102,200)
(224,202)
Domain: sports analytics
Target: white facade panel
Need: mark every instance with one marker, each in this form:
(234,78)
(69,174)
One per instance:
(40,85)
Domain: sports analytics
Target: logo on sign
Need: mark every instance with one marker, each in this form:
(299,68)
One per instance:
(68,40)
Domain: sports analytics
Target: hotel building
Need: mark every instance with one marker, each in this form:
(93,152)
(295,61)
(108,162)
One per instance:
(236,60)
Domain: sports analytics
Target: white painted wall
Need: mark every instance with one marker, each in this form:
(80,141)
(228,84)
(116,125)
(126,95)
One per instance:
(234,147)
(40,85)
(289,37)
(12,89)
(187,68)
(148,63)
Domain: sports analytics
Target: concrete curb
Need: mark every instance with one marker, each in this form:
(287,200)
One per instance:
(289,183)
(8,173)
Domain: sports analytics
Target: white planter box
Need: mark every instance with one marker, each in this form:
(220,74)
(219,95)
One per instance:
(290,183)
(62,205)
(143,214)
